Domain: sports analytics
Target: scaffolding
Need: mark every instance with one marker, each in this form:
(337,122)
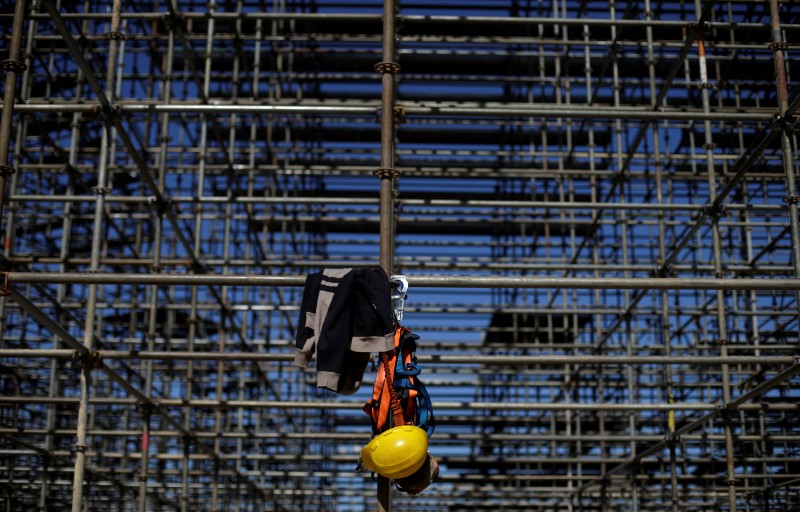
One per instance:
(595,205)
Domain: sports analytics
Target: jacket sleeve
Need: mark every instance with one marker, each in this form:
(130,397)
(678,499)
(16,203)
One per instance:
(305,341)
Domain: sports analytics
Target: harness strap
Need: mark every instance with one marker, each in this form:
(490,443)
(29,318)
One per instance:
(398,387)
(425,409)
(394,403)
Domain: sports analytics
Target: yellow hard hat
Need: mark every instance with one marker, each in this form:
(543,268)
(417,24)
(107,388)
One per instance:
(397,453)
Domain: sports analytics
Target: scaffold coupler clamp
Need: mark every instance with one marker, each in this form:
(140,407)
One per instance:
(714,211)
(386,174)
(146,409)
(87,360)
(94,358)
(7,171)
(399,114)
(620,177)
(672,439)
(78,448)
(115,35)
(387,67)
(788,124)
(663,271)
(724,412)
(14,66)
(5,288)
(778,46)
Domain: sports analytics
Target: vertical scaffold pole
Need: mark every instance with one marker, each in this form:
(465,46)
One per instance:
(716,242)
(387,174)
(779,46)
(12,67)
(107,136)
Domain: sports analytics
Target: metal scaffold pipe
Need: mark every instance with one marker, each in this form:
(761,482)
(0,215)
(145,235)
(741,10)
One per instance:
(778,47)
(411,110)
(107,140)
(454,20)
(12,67)
(387,173)
(388,68)
(454,203)
(573,283)
(540,360)
(443,405)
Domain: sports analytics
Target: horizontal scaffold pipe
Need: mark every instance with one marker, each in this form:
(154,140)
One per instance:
(574,283)
(443,405)
(515,110)
(477,170)
(410,18)
(433,202)
(348,460)
(410,263)
(442,438)
(434,359)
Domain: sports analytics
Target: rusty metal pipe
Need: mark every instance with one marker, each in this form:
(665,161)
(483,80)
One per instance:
(12,66)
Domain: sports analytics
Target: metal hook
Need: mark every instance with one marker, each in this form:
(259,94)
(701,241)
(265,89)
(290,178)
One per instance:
(399,289)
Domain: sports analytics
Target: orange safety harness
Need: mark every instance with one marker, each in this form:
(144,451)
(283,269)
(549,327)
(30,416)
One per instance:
(399,388)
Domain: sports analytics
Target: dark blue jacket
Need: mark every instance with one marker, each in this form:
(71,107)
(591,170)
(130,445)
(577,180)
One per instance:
(345,315)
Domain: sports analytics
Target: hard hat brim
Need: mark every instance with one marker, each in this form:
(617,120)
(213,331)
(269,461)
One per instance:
(397,453)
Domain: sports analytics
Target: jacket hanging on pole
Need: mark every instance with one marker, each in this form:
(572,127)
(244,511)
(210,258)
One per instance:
(345,315)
